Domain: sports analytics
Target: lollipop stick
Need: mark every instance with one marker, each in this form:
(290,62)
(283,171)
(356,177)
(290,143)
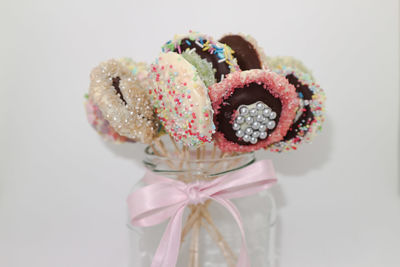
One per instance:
(218,161)
(198,212)
(198,153)
(221,241)
(230,260)
(161,145)
(194,215)
(195,212)
(175,145)
(155,151)
(203,152)
(214,151)
(194,246)
(194,220)
(164,152)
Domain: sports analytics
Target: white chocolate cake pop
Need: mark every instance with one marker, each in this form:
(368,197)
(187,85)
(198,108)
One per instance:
(122,101)
(181,100)
(101,125)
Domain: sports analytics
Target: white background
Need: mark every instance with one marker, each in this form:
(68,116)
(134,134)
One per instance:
(63,190)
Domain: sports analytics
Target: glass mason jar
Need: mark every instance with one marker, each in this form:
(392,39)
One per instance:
(216,240)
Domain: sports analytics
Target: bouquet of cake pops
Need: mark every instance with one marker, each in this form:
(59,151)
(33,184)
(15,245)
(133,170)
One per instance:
(198,93)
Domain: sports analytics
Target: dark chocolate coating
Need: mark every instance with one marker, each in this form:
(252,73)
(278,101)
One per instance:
(300,88)
(307,117)
(244,96)
(245,53)
(221,68)
(115,84)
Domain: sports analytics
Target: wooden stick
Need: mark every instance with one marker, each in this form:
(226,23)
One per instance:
(228,257)
(194,215)
(198,153)
(214,151)
(175,145)
(199,212)
(161,145)
(203,152)
(218,160)
(164,152)
(195,211)
(155,151)
(194,246)
(221,240)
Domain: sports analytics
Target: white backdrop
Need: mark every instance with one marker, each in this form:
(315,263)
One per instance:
(63,190)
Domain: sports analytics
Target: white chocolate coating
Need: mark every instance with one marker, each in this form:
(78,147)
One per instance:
(181,100)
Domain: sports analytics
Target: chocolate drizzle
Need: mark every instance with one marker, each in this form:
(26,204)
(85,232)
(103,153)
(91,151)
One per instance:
(220,68)
(307,116)
(244,96)
(115,84)
(245,53)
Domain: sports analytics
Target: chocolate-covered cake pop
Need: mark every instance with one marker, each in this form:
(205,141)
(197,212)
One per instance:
(115,90)
(252,109)
(181,100)
(309,116)
(247,52)
(219,55)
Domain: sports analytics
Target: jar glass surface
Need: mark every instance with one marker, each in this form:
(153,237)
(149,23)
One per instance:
(257,213)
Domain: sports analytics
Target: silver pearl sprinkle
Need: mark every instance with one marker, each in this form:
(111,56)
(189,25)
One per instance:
(253,122)
(259,118)
(271,125)
(263,135)
(253,140)
(260,105)
(248,131)
(255,125)
(249,120)
(253,112)
(239,133)
(265,120)
(266,112)
(262,128)
(240,119)
(243,110)
(236,126)
(256,134)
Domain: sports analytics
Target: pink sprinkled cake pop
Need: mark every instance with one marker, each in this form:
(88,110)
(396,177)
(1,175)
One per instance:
(252,109)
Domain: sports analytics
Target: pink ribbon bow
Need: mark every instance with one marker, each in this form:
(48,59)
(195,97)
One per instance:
(166,198)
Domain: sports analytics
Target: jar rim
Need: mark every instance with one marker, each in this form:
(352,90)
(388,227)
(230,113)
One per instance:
(173,165)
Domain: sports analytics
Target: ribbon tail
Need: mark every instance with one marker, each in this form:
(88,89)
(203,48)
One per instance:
(243,260)
(168,249)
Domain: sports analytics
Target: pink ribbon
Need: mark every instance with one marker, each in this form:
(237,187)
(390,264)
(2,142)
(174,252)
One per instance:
(165,198)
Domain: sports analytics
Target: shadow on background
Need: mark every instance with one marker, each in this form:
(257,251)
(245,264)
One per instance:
(307,157)
(130,151)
